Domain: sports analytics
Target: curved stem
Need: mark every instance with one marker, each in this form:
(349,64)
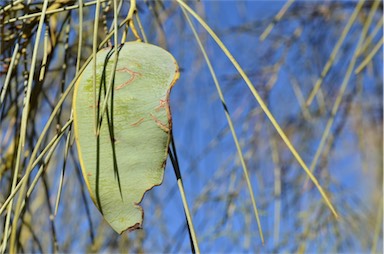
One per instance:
(191,228)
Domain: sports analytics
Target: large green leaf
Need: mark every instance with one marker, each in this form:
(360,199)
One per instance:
(129,155)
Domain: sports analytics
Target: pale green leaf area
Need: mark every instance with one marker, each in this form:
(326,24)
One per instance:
(141,123)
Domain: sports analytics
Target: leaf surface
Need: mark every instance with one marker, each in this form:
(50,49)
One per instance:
(129,155)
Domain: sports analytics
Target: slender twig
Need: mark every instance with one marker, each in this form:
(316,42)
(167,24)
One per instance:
(378,227)
(23,132)
(175,163)
(262,105)
(58,10)
(94,61)
(141,28)
(369,57)
(230,124)
(46,150)
(132,10)
(342,88)
(9,73)
(129,22)
(300,98)
(61,182)
(277,189)
(335,50)
(41,138)
(371,36)
(276,19)
(9,6)
(80,43)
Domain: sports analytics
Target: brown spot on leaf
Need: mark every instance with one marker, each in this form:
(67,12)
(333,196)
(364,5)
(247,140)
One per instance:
(134,74)
(162,104)
(162,126)
(137,123)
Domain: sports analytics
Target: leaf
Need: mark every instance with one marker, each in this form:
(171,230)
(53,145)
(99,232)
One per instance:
(128,157)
